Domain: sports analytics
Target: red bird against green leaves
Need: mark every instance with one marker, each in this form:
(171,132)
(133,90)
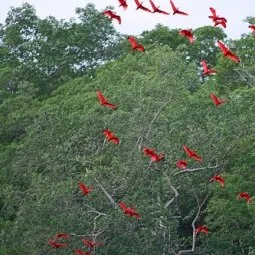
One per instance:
(216,100)
(130,211)
(246,196)
(112,15)
(56,245)
(111,137)
(206,70)
(191,154)
(182,164)
(135,45)
(85,189)
(227,53)
(104,101)
(219,179)
(153,155)
(202,229)
(188,34)
(176,10)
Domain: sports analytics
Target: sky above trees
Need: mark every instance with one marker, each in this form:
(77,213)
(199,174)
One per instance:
(134,22)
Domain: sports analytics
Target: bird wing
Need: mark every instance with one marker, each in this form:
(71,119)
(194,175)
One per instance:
(173,6)
(149,152)
(117,17)
(181,12)
(213,12)
(154,7)
(122,206)
(144,8)
(137,3)
(215,99)
(109,13)
(83,187)
(108,134)
(233,57)
(188,151)
(88,243)
(101,98)
(132,41)
(204,65)
(109,105)
(222,47)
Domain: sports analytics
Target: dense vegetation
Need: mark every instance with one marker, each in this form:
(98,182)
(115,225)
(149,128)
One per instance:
(51,137)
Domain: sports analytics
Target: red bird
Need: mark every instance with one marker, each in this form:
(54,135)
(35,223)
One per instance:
(202,229)
(104,101)
(130,211)
(62,236)
(111,137)
(216,100)
(156,9)
(123,3)
(91,243)
(187,33)
(85,189)
(140,6)
(220,22)
(191,153)
(219,179)
(227,53)
(253,28)
(81,252)
(135,45)
(56,245)
(153,155)
(112,15)
(246,196)
(216,17)
(206,70)
(182,164)
(176,10)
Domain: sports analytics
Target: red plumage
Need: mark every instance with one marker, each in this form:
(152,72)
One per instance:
(104,101)
(85,189)
(191,154)
(246,196)
(123,3)
(187,33)
(135,45)
(216,100)
(140,6)
(153,155)
(219,179)
(227,53)
(202,229)
(129,211)
(156,9)
(81,252)
(91,243)
(111,137)
(112,15)
(56,245)
(182,164)
(206,70)
(176,10)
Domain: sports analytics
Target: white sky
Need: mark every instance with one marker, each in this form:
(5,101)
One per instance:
(134,22)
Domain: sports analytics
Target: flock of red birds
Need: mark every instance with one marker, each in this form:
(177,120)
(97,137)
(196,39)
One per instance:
(57,240)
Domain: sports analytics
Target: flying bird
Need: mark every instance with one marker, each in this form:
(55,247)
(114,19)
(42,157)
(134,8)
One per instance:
(216,100)
(56,245)
(182,164)
(220,22)
(202,229)
(227,53)
(206,70)
(81,252)
(216,17)
(111,137)
(130,211)
(104,101)
(85,189)
(253,28)
(140,6)
(135,45)
(176,10)
(246,196)
(156,9)
(153,155)
(112,15)
(191,154)
(187,33)
(219,179)
(123,3)
(91,243)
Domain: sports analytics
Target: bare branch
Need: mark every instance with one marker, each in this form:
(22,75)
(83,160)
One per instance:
(197,169)
(176,194)
(194,228)
(106,193)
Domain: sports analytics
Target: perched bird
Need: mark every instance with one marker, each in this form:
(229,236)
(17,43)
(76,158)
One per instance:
(202,229)
(123,3)
(130,211)
(219,179)
(140,6)
(216,17)
(216,100)
(191,154)
(246,196)
(227,53)
(187,33)
(182,164)
(85,189)
(81,252)
(206,70)
(176,10)
(156,9)
(135,45)
(104,101)
(152,154)
(253,28)
(111,137)
(56,245)
(112,15)
(91,243)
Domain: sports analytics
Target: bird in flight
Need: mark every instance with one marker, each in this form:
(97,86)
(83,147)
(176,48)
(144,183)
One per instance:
(227,53)
(130,211)
(140,6)
(104,101)
(219,179)
(111,137)
(153,155)
(187,33)
(123,3)
(216,100)
(202,229)
(85,189)
(135,45)
(156,9)
(176,10)
(206,70)
(112,15)
(191,154)
(246,196)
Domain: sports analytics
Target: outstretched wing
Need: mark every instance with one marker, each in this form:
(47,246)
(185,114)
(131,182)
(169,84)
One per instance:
(213,12)
(101,98)
(173,6)
(233,57)
(132,41)
(122,206)
(222,47)
(154,7)
(181,12)
(204,65)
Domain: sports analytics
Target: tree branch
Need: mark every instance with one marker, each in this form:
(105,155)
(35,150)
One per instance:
(176,194)
(197,169)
